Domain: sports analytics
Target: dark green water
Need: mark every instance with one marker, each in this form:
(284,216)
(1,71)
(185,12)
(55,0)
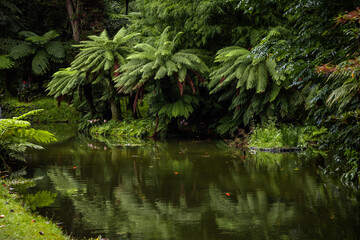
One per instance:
(190,190)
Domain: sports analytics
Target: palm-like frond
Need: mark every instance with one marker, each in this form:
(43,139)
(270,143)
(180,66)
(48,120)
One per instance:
(65,81)
(21,51)
(102,53)
(6,62)
(40,63)
(250,85)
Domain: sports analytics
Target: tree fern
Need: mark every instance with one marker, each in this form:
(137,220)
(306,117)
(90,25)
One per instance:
(251,86)
(15,135)
(42,49)
(160,66)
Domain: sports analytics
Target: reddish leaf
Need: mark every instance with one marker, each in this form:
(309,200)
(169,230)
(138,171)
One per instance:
(228,194)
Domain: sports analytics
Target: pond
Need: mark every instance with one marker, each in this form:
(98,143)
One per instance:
(189,190)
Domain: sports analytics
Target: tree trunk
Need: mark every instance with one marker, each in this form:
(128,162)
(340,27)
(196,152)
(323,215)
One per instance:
(115,110)
(73,20)
(114,103)
(127,7)
(89,98)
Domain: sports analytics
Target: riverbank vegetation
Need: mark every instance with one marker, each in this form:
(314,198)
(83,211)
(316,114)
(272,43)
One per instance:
(205,68)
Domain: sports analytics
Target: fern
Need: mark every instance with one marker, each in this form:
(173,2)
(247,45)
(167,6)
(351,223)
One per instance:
(42,48)
(251,84)
(6,62)
(15,135)
(162,66)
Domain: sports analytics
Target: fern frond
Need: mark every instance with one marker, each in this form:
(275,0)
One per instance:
(55,49)
(21,51)
(40,63)
(6,62)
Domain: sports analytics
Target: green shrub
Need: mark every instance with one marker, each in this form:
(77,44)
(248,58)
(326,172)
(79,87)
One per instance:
(139,128)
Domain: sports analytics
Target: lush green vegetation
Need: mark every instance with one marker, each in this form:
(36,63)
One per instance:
(209,68)
(17,223)
(16,135)
(272,136)
(52,112)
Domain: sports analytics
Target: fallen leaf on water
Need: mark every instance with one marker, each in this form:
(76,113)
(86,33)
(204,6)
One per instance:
(228,194)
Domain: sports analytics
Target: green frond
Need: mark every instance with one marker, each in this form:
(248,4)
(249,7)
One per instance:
(6,62)
(171,67)
(120,34)
(55,49)
(50,35)
(40,63)
(26,34)
(21,51)
(244,78)
(262,78)
(182,74)
(162,71)
(144,47)
(250,83)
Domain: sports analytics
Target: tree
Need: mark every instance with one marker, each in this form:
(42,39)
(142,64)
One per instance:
(98,58)
(162,69)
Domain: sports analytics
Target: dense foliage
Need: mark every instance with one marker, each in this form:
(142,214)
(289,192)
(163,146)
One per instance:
(206,67)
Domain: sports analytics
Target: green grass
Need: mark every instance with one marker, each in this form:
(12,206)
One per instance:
(11,107)
(17,223)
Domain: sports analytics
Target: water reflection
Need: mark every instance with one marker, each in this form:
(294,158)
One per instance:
(191,190)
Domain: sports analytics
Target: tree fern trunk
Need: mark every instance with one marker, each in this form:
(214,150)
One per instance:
(89,98)
(114,103)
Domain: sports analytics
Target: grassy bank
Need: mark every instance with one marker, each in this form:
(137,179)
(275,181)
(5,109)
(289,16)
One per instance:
(11,107)
(18,223)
